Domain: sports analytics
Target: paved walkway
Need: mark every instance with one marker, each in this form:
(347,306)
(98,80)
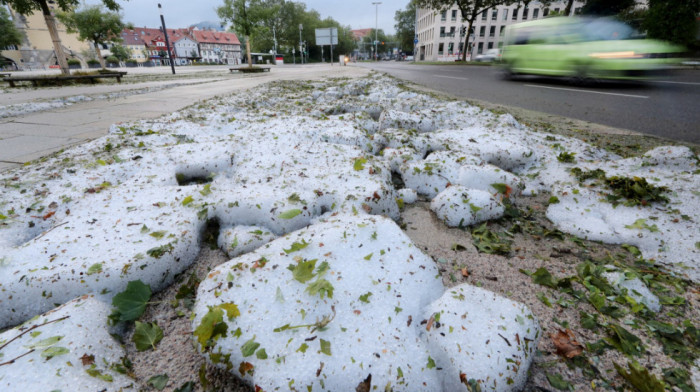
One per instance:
(30,136)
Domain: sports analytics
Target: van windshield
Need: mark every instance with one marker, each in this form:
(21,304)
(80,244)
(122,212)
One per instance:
(607,30)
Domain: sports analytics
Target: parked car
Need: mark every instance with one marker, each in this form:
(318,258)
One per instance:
(584,48)
(489,56)
(409,58)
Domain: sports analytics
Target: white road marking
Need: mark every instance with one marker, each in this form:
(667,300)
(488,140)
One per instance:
(588,91)
(450,77)
(668,81)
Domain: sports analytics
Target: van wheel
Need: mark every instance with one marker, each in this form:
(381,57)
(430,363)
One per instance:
(581,76)
(507,71)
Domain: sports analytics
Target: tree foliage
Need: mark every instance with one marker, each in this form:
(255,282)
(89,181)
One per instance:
(9,35)
(93,24)
(384,41)
(405,26)
(606,7)
(120,52)
(672,20)
(259,22)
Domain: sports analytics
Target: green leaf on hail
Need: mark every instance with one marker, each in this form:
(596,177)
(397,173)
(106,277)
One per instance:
(289,214)
(249,347)
(303,271)
(297,246)
(131,303)
(359,164)
(325,347)
(146,335)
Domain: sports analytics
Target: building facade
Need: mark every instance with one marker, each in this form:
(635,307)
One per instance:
(441,35)
(186,50)
(218,47)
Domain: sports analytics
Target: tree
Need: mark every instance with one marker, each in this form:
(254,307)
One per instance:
(243,14)
(27,7)
(406,26)
(567,9)
(606,7)
(94,25)
(120,52)
(470,9)
(382,38)
(672,20)
(9,35)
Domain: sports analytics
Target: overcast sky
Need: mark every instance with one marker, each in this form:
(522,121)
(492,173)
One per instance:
(183,13)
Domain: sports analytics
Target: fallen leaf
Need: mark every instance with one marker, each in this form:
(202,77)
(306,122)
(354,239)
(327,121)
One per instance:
(566,343)
(366,385)
(465,273)
(245,367)
(49,215)
(87,359)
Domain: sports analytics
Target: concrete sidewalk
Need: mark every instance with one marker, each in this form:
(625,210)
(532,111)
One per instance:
(27,137)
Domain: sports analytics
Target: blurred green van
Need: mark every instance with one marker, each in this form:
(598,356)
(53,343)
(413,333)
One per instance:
(584,48)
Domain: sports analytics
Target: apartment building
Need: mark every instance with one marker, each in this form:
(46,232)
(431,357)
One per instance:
(441,34)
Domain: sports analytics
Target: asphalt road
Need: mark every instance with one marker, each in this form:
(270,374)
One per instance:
(667,108)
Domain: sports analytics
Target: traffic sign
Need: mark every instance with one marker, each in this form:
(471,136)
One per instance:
(415,41)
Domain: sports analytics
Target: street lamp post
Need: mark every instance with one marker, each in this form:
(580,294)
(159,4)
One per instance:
(167,42)
(376,26)
(301,49)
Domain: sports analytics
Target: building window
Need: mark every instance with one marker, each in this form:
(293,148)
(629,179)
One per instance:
(503,28)
(442,31)
(515,14)
(545,12)
(535,13)
(483,15)
(441,47)
(577,11)
(452,31)
(505,14)
(482,31)
(480,48)
(494,15)
(461,47)
(450,48)
(492,31)
(525,12)
(443,16)
(490,45)
(556,10)
(454,15)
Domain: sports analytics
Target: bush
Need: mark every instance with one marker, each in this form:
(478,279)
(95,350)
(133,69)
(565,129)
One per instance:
(92,62)
(131,61)
(112,60)
(73,62)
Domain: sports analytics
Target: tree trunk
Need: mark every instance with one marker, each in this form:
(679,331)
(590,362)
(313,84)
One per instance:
(247,51)
(99,55)
(567,10)
(466,40)
(57,47)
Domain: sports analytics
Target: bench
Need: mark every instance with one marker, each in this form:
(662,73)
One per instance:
(36,79)
(249,69)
